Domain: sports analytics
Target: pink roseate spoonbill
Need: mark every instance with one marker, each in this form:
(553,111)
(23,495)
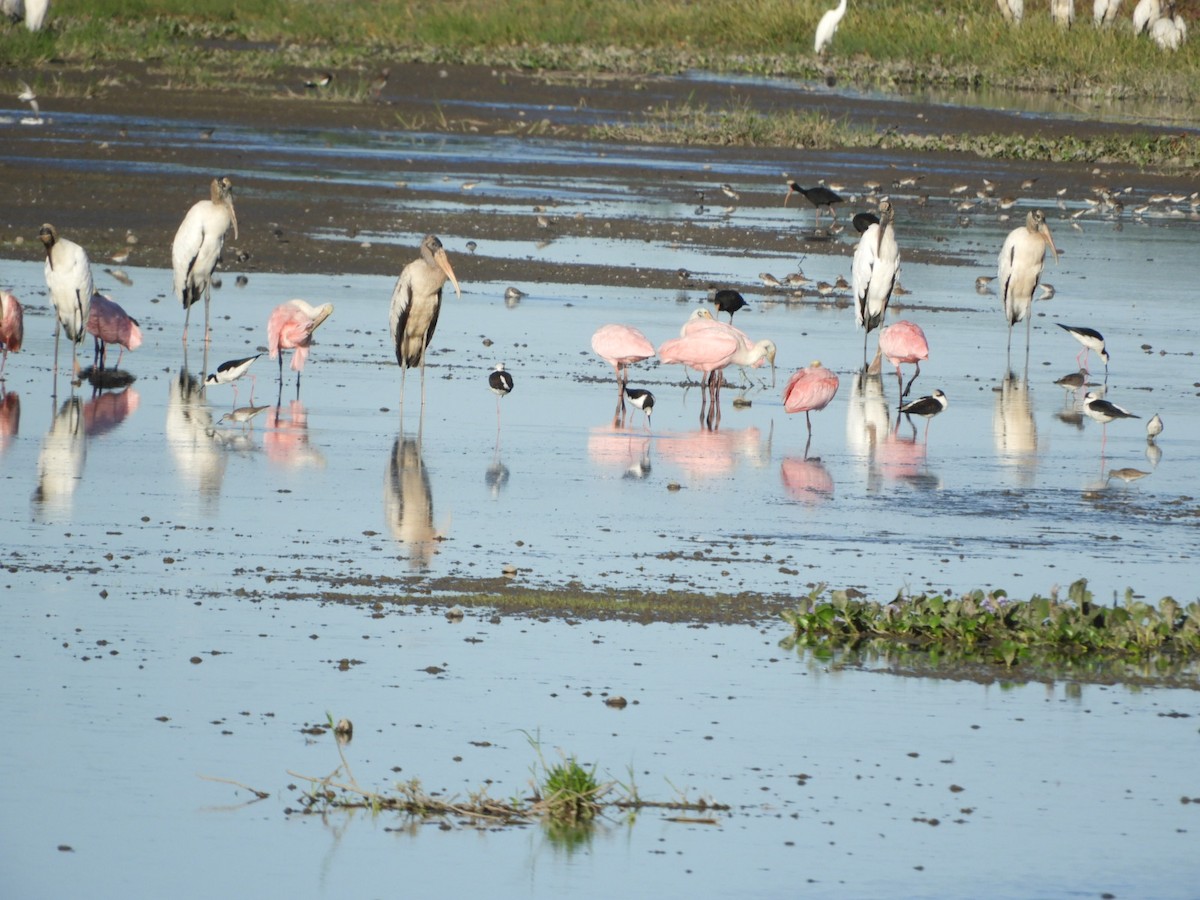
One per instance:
(621,346)
(643,400)
(198,245)
(708,350)
(416,304)
(904,342)
(752,354)
(230,371)
(500,383)
(828,26)
(927,407)
(1020,267)
(291,327)
(818,196)
(12,326)
(876,264)
(728,301)
(808,390)
(1091,340)
(69,278)
(108,324)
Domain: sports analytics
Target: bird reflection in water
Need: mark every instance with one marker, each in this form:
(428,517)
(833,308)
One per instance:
(902,458)
(496,474)
(108,409)
(1014,429)
(286,440)
(704,454)
(60,463)
(620,449)
(806,480)
(867,421)
(10,418)
(192,437)
(408,502)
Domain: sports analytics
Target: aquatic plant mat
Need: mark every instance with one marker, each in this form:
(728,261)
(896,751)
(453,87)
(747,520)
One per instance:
(566,797)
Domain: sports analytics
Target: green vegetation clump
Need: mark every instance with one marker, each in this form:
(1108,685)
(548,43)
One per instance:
(989,627)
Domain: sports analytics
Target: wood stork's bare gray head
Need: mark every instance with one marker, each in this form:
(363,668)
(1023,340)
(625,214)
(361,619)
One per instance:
(434,255)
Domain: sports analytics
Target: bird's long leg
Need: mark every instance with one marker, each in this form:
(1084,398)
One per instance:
(911,380)
(279,395)
(235,396)
(207,302)
(187,315)
(251,390)
(403,379)
(297,384)
(423,380)
(866,336)
(900,386)
(57,329)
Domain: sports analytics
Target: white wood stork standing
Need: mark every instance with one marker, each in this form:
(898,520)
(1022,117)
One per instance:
(1012,10)
(197,248)
(876,264)
(1104,12)
(1169,30)
(416,304)
(1020,267)
(1062,12)
(1145,14)
(69,278)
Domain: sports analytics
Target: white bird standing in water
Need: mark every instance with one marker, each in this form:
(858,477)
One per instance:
(828,26)
(69,278)
(876,264)
(1020,267)
(416,304)
(198,245)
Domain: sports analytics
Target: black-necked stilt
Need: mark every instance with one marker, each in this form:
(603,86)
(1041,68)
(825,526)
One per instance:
(230,371)
(728,301)
(416,303)
(197,247)
(1020,267)
(1091,340)
(926,407)
(1103,411)
(501,384)
(319,80)
(1154,428)
(819,196)
(69,278)
(643,400)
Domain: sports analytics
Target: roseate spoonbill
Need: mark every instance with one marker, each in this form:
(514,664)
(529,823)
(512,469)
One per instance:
(621,346)
(904,342)
(290,327)
(818,196)
(1020,267)
(728,301)
(1091,340)
(876,264)
(501,384)
(828,26)
(416,303)
(643,400)
(707,350)
(749,353)
(108,324)
(198,245)
(927,407)
(1154,428)
(69,278)
(807,390)
(230,371)
(12,326)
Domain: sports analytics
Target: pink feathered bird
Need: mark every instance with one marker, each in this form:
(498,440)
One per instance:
(291,327)
(108,324)
(12,326)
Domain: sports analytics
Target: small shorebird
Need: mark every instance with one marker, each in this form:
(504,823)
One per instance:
(1154,428)
(242,415)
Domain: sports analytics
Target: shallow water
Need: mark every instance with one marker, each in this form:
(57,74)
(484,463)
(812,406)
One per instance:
(141,533)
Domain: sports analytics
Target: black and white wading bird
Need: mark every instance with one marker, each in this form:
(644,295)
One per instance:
(1091,340)
(230,371)
(876,264)
(197,248)
(643,400)
(501,384)
(69,278)
(926,407)
(416,304)
(1020,267)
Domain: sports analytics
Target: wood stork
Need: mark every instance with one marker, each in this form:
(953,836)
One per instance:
(1012,10)
(1020,267)
(69,278)
(416,304)
(197,248)
(876,264)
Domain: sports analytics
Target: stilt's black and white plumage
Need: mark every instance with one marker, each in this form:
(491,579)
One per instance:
(1091,340)
(643,400)
(230,371)
(818,196)
(926,406)
(728,301)
(501,384)
(1154,428)
(1103,411)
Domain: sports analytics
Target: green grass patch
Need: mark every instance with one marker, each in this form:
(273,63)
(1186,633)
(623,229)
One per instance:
(882,42)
